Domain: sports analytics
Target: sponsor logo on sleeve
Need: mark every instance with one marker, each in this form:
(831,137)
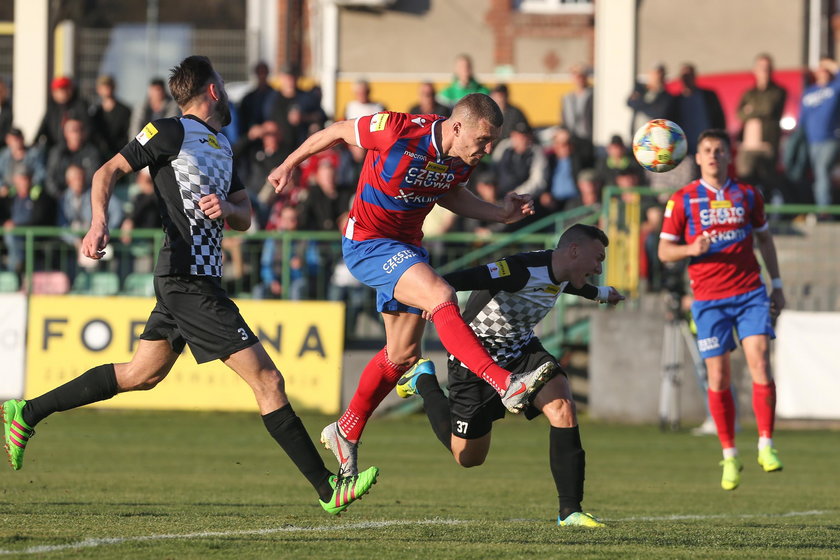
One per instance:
(146,134)
(377,122)
(669,208)
(498,269)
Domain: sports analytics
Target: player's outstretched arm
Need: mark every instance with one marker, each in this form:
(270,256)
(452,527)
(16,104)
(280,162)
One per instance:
(463,202)
(601,294)
(341,131)
(102,186)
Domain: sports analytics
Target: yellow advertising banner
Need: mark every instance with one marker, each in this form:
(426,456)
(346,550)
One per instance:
(68,335)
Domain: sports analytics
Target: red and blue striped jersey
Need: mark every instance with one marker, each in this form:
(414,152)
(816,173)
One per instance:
(403,175)
(729,216)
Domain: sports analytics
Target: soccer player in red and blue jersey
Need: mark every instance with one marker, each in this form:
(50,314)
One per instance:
(712,222)
(413,162)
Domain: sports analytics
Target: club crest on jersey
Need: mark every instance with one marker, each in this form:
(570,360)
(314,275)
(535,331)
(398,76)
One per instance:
(498,269)
(146,134)
(377,122)
(212,140)
(552,289)
(438,167)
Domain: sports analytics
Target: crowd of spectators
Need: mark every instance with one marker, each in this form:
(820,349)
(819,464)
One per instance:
(48,181)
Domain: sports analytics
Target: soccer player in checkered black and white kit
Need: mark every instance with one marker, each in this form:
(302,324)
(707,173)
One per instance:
(197,190)
(510,297)
(712,222)
(413,162)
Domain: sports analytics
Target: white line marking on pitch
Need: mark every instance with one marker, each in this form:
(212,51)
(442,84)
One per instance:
(92,543)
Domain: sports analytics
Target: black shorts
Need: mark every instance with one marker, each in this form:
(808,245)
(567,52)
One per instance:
(475,405)
(196,310)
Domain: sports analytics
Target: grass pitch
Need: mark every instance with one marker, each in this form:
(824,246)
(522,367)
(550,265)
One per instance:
(107,484)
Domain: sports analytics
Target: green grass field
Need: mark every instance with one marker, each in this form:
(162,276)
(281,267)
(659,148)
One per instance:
(100,484)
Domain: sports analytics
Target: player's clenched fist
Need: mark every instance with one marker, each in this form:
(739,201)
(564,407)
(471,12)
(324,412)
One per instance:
(700,246)
(279,178)
(517,206)
(213,206)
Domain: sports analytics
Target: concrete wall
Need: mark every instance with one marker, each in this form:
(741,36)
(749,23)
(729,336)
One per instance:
(720,35)
(625,364)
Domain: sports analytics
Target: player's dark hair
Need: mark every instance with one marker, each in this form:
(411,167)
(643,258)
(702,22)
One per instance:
(477,106)
(188,80)
(582,232)
(716,133)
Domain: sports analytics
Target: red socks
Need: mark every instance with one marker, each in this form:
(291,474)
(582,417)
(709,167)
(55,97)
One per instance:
(460,341)
(764,407)
(722,407)
(378,378)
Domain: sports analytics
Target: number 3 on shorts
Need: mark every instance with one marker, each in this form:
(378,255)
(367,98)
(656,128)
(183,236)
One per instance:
(242,333)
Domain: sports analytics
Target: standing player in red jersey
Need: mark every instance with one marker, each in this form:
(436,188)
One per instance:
(413,162)
(712,221)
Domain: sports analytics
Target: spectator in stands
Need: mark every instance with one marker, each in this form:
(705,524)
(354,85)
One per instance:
(486,188)
(258,153)
(696,109)
(343,286)
(63,104)
(427,104)
(255,107)
(576,115)
(74,205)
(283,218)
(74,149)
(6,115)
(350,161)
(143,214)
(513,115)
(760,111)
(615,160)
(361,104)
(15,154)
(651,100)
(322,203)
(74,211)
(31,206)
(562,173)
(158,105)
(463,83)
(520,163)
(820,119)
(110,119)
(294,110)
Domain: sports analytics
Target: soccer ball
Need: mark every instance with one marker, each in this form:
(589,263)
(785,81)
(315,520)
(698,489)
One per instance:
(659,145)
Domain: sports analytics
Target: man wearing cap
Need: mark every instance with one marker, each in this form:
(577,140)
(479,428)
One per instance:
(64,103)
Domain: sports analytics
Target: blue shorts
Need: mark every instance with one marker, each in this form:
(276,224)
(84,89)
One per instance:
(379,263)
(748,314)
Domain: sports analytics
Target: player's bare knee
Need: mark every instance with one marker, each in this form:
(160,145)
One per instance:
(561,413)
(271,381)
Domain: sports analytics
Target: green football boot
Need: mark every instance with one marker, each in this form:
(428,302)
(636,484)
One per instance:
(768,458)
(580,519)
(732,468)
(407,385)
(348,489)
(16,432)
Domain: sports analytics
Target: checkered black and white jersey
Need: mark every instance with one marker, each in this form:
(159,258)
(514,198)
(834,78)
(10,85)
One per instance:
(509,298)
(187,160)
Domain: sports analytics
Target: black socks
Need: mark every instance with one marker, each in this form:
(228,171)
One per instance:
(97,384)
(437,408)
(287,428)
(568,463)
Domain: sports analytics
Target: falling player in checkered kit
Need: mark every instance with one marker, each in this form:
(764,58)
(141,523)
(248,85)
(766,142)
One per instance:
(509,298)
(413,162)
(192,167)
